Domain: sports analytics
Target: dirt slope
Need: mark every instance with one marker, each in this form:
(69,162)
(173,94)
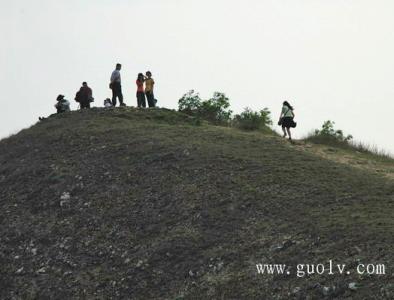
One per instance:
(127,204)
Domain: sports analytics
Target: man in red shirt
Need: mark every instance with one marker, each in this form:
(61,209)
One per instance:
(84,96)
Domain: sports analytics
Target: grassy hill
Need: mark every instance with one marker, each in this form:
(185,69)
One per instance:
(148,204)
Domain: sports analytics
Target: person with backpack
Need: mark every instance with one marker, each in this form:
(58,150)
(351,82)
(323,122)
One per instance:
(62,104)
(115,86)
(149,83)
(84,96)
(140,90)
(286,119)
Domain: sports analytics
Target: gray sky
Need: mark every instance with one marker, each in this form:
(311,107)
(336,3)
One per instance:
(330,59)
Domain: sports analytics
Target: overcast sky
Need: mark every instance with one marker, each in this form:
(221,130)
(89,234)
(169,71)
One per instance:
(331,59)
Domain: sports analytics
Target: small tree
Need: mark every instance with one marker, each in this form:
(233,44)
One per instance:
(253,120)
(216,109)
(328,131)
(328,135)
(190,103)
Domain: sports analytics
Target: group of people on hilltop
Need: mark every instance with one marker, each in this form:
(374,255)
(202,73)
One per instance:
(145,94)
(116,87)
(85,94)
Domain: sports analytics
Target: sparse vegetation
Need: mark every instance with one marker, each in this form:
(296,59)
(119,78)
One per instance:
(141,204)
(215,110)
(253,120)
(329,135)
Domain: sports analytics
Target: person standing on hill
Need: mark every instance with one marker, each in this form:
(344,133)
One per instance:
(84,96)
(140,90)
(149,83)
(116,86)
(286,119)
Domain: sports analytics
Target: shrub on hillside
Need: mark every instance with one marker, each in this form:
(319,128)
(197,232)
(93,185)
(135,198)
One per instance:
(253,120)
(329,135)
(190,103)
(215,110)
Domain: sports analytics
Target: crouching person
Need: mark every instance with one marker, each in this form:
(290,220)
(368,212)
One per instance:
(108,103)
(62,104)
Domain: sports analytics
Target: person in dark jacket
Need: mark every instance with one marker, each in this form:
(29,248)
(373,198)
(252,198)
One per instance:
(84,96)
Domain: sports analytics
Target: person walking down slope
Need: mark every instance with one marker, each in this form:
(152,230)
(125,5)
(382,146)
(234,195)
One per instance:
(286,119)
(140,90)
(62,104)
(84,96)
(116,87)
(149,83)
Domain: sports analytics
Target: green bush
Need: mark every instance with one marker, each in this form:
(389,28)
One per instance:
(253,120)
(215,110)
(329,135)
(190,103)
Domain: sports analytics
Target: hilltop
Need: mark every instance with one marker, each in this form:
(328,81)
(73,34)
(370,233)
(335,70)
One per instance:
(154,204)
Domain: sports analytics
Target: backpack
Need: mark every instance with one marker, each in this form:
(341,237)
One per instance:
(78,96)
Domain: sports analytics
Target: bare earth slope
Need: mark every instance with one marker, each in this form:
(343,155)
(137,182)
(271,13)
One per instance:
(128,204)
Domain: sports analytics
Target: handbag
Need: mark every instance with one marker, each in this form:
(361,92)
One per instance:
(293,125)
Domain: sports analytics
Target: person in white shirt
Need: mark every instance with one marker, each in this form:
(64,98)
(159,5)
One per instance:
(286,119)
(116,86)
(62,104)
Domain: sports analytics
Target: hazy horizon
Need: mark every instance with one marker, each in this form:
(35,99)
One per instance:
(332,60)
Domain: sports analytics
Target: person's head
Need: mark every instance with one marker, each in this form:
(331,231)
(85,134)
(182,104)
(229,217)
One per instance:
(288,105)
(118,67)
(60,98)
(84,83)
(148,74)
(140,77)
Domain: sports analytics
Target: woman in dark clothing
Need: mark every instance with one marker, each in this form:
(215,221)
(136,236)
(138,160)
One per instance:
(140,91)
(286,118)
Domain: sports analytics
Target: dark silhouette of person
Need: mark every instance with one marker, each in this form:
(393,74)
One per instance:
(140,90)
(116,86)
(84,96)
(286,118)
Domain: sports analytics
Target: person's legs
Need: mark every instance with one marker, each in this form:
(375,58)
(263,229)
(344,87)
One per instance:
(140,99)
(113,96)
(151,99)
(120,95)
(143,100)
(289,133)
(84,104)
(284,131)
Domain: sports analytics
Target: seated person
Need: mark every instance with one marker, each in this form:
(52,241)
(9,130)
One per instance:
(62,104)
(108,103)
